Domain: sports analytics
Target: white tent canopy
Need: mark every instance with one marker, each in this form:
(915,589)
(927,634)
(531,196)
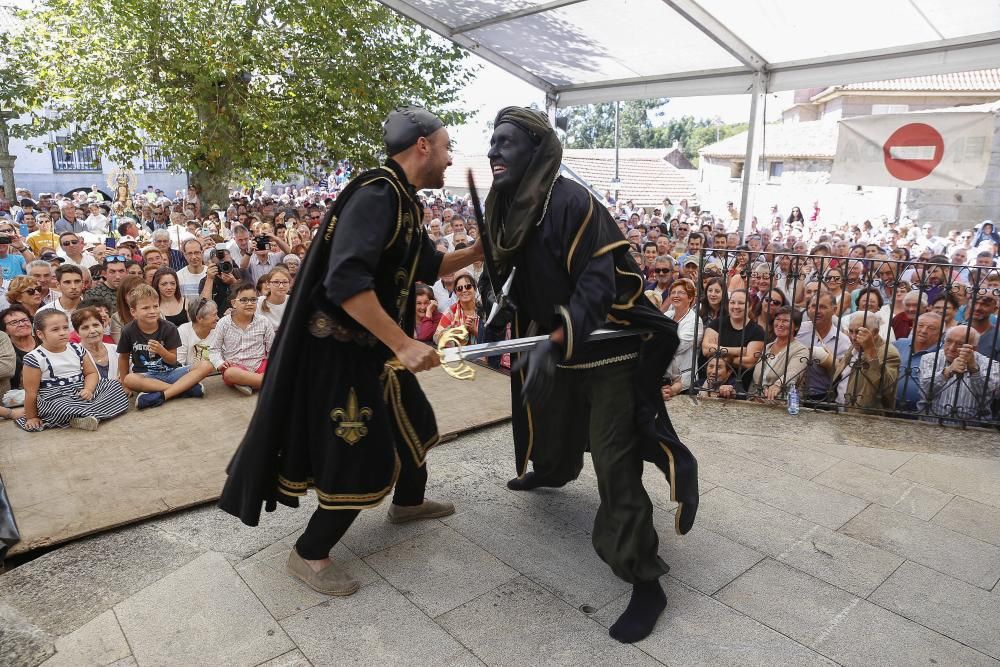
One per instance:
(587,51)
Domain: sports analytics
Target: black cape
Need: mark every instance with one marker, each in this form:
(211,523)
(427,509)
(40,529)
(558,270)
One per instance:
(336,410)
(575,270)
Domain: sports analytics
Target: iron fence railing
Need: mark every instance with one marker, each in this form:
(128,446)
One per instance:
(154,159)
(912,339)
(85,158)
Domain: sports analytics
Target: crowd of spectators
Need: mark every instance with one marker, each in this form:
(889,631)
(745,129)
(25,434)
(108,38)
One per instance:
(881,316)
(101,302)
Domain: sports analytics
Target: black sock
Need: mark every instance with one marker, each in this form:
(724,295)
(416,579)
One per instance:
(530,481)
(639,618)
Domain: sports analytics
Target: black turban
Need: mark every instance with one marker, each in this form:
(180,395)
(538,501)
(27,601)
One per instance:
(404,125)
(512,216)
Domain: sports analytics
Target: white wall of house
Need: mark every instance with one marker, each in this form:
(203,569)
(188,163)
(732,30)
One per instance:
(802,182)
(37,172)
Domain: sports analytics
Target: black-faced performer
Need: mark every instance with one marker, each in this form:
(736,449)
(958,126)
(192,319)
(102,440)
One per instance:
(340,409)
(574,275)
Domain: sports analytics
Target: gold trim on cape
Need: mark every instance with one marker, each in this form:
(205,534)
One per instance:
(631,301)
(579,235)
(603,250)
(392,393)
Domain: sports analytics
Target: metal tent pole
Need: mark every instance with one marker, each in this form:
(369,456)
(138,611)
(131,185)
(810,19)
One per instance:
(754,145)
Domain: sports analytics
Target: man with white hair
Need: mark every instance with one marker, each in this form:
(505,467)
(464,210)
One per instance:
(960,383)
(175,258)
(865,378)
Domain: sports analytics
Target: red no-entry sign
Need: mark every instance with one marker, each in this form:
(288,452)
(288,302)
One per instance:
(913,151)
(941,150)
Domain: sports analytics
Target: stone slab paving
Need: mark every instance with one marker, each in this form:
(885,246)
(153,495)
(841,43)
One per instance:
(847,542)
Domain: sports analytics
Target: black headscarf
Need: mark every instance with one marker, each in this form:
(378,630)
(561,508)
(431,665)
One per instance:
(511,216)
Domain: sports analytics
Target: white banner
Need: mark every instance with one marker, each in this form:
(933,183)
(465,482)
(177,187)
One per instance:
(947,151)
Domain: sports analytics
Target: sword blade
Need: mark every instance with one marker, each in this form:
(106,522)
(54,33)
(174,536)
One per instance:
(483,350)
(485,238)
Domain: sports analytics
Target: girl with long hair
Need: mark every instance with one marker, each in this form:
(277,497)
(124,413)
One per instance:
(173,306)
(272,304)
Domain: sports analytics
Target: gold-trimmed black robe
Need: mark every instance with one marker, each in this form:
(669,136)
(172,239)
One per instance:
(337,410)
(575,270)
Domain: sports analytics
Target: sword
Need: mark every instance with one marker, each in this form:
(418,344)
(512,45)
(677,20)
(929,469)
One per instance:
(454,355)
(499,299)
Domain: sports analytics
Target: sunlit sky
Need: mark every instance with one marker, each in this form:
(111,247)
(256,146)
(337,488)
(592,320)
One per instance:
(494,89)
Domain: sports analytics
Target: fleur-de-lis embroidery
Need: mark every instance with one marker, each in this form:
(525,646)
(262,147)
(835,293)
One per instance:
(351,419)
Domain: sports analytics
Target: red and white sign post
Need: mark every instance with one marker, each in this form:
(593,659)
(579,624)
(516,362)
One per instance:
(949,150)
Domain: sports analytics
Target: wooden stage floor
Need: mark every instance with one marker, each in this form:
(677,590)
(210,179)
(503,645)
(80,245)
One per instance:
(66,483)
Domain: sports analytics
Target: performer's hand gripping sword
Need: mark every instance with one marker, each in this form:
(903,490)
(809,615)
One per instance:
(454,355)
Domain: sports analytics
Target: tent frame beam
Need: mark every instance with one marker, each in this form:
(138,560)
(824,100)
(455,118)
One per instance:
(959,54)
(430,23)
(706,22)
(755,145)
(512,16)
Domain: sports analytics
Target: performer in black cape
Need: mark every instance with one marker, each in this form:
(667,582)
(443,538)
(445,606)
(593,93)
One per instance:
(574,274)
(340,409)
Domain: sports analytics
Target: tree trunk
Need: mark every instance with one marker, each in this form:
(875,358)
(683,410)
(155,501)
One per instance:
(220,127)
(214,188)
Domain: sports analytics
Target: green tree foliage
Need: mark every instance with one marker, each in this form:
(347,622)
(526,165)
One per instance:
(234,90)
(593,126)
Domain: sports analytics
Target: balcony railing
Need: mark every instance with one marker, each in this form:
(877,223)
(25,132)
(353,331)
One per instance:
(85,158)
(154,159)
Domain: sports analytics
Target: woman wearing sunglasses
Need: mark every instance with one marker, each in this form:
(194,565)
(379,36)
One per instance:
(767,309)
(24,290)
(464,312)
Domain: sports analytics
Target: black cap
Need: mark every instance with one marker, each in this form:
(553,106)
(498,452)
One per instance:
(404,125)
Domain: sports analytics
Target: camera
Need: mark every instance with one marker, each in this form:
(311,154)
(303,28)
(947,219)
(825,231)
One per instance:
(262,242)
(6,239)
(225,267)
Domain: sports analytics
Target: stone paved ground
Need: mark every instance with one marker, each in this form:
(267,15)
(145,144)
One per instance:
(820,540)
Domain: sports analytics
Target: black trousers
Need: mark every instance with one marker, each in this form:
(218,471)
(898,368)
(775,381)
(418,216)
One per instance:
(326,527)
(597,406)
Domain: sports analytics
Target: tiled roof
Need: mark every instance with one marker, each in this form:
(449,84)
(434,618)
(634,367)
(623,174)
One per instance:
(817,138)
(646,177)
(983,80)
(644,181)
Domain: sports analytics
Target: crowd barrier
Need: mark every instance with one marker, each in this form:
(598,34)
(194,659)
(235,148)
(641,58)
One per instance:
(908,371)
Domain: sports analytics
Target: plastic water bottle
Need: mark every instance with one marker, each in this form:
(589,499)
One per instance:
(793,401)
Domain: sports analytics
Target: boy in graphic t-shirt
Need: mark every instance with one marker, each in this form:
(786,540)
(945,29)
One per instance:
(148,346)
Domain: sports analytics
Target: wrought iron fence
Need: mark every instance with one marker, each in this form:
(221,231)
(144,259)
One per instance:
(154,159)
(912,339)
(85,158)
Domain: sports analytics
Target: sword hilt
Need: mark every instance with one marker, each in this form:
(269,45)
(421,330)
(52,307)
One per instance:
(450,338)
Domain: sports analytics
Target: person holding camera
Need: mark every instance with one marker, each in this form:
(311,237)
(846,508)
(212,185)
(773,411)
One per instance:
(221,274)
(262,260)
(14,253)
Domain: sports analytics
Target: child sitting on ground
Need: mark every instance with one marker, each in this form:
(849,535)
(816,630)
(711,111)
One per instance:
(148,345)
(243,340)
(61,384)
